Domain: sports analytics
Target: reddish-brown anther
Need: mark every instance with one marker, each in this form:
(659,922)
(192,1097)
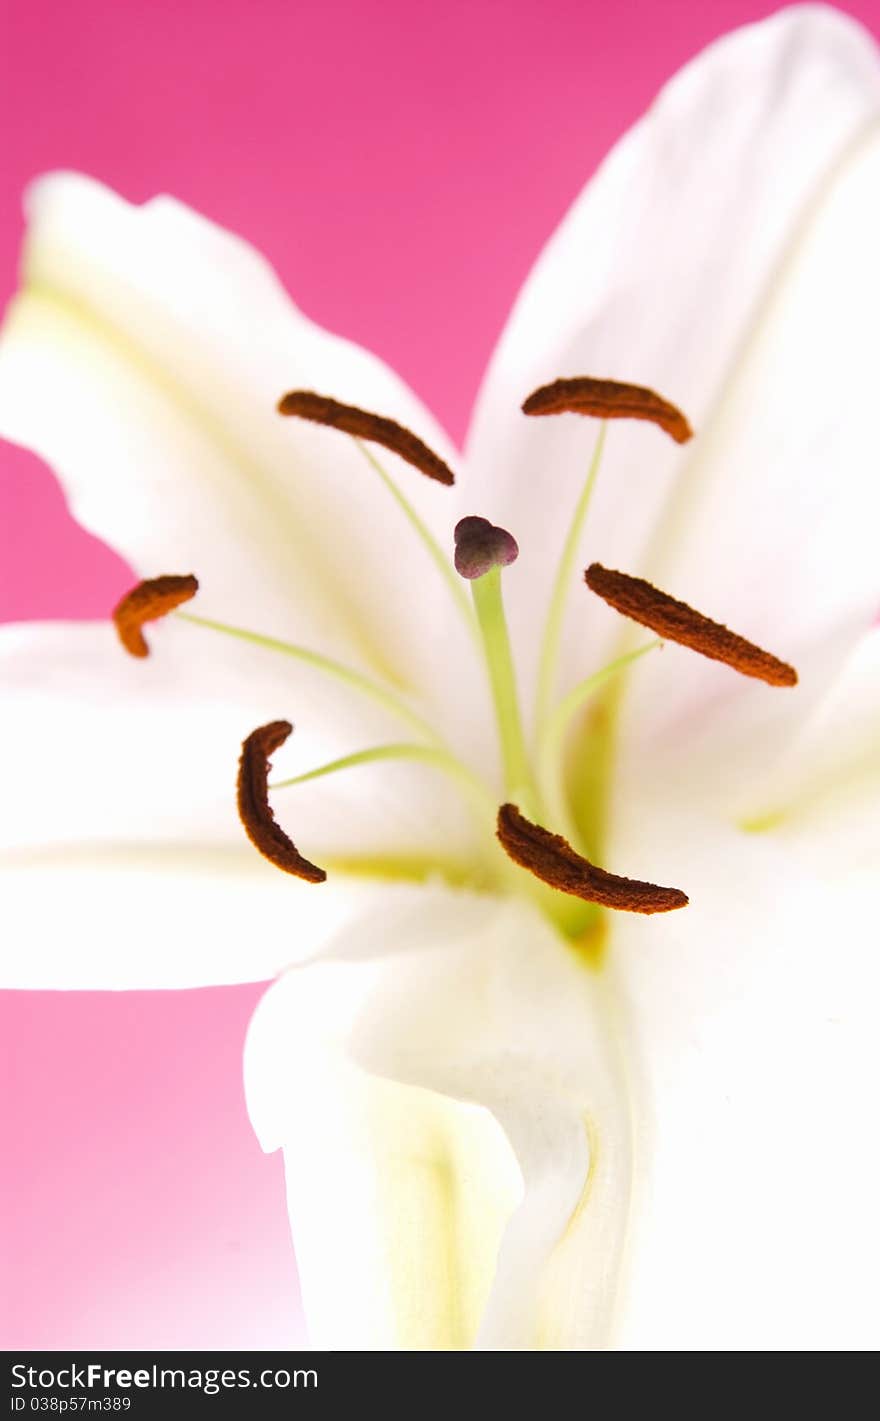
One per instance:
(552,859)
(676,621)
(154,598)
(608,399)
(253,803)
(321,409)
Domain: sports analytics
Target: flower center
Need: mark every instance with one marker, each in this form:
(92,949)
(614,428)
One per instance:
(526,851)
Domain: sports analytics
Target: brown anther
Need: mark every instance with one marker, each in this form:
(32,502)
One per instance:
(552,859)
(608,399)
(676,621)
(253,803)
(155,597)
(321,409)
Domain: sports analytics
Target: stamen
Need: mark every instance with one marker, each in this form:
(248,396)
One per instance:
(253,803)
(562,587)
(321,409)
(433,548)
(479,546)
(155,597)
(552,859)
(608,399)
(676,621)
(435,755)
(551,738)
(378,692)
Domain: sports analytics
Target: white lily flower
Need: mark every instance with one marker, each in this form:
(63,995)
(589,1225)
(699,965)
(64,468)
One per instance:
(511,1119)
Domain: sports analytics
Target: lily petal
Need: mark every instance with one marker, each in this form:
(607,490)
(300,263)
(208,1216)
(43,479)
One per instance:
(102,748)
(455,1135)
(823,796)
(123,862)
(724,255)
(808,776)
(101,918)
(144,359)
(774,526)
(754,1046)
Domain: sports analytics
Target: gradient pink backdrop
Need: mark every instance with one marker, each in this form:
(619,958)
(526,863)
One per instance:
(401,164)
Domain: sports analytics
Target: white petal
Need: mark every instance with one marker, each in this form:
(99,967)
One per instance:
(167,915)
(439,1066)
(123,862)
(776,522)
(823,796)
(143,361)
(751,1023)
(725,255)
(808,775)
(102,748)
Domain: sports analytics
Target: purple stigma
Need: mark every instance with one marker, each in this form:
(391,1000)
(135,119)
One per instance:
(480,546)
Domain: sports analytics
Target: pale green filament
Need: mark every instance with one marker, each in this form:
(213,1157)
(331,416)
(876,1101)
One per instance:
(562,588)
(367,687)
(518,778)
(440,559)
(551,741)
(428,754)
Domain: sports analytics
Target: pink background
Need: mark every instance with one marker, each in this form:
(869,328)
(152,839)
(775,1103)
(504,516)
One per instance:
(401,164)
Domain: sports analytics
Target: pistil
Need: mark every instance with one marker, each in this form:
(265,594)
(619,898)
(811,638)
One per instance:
(481,551)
